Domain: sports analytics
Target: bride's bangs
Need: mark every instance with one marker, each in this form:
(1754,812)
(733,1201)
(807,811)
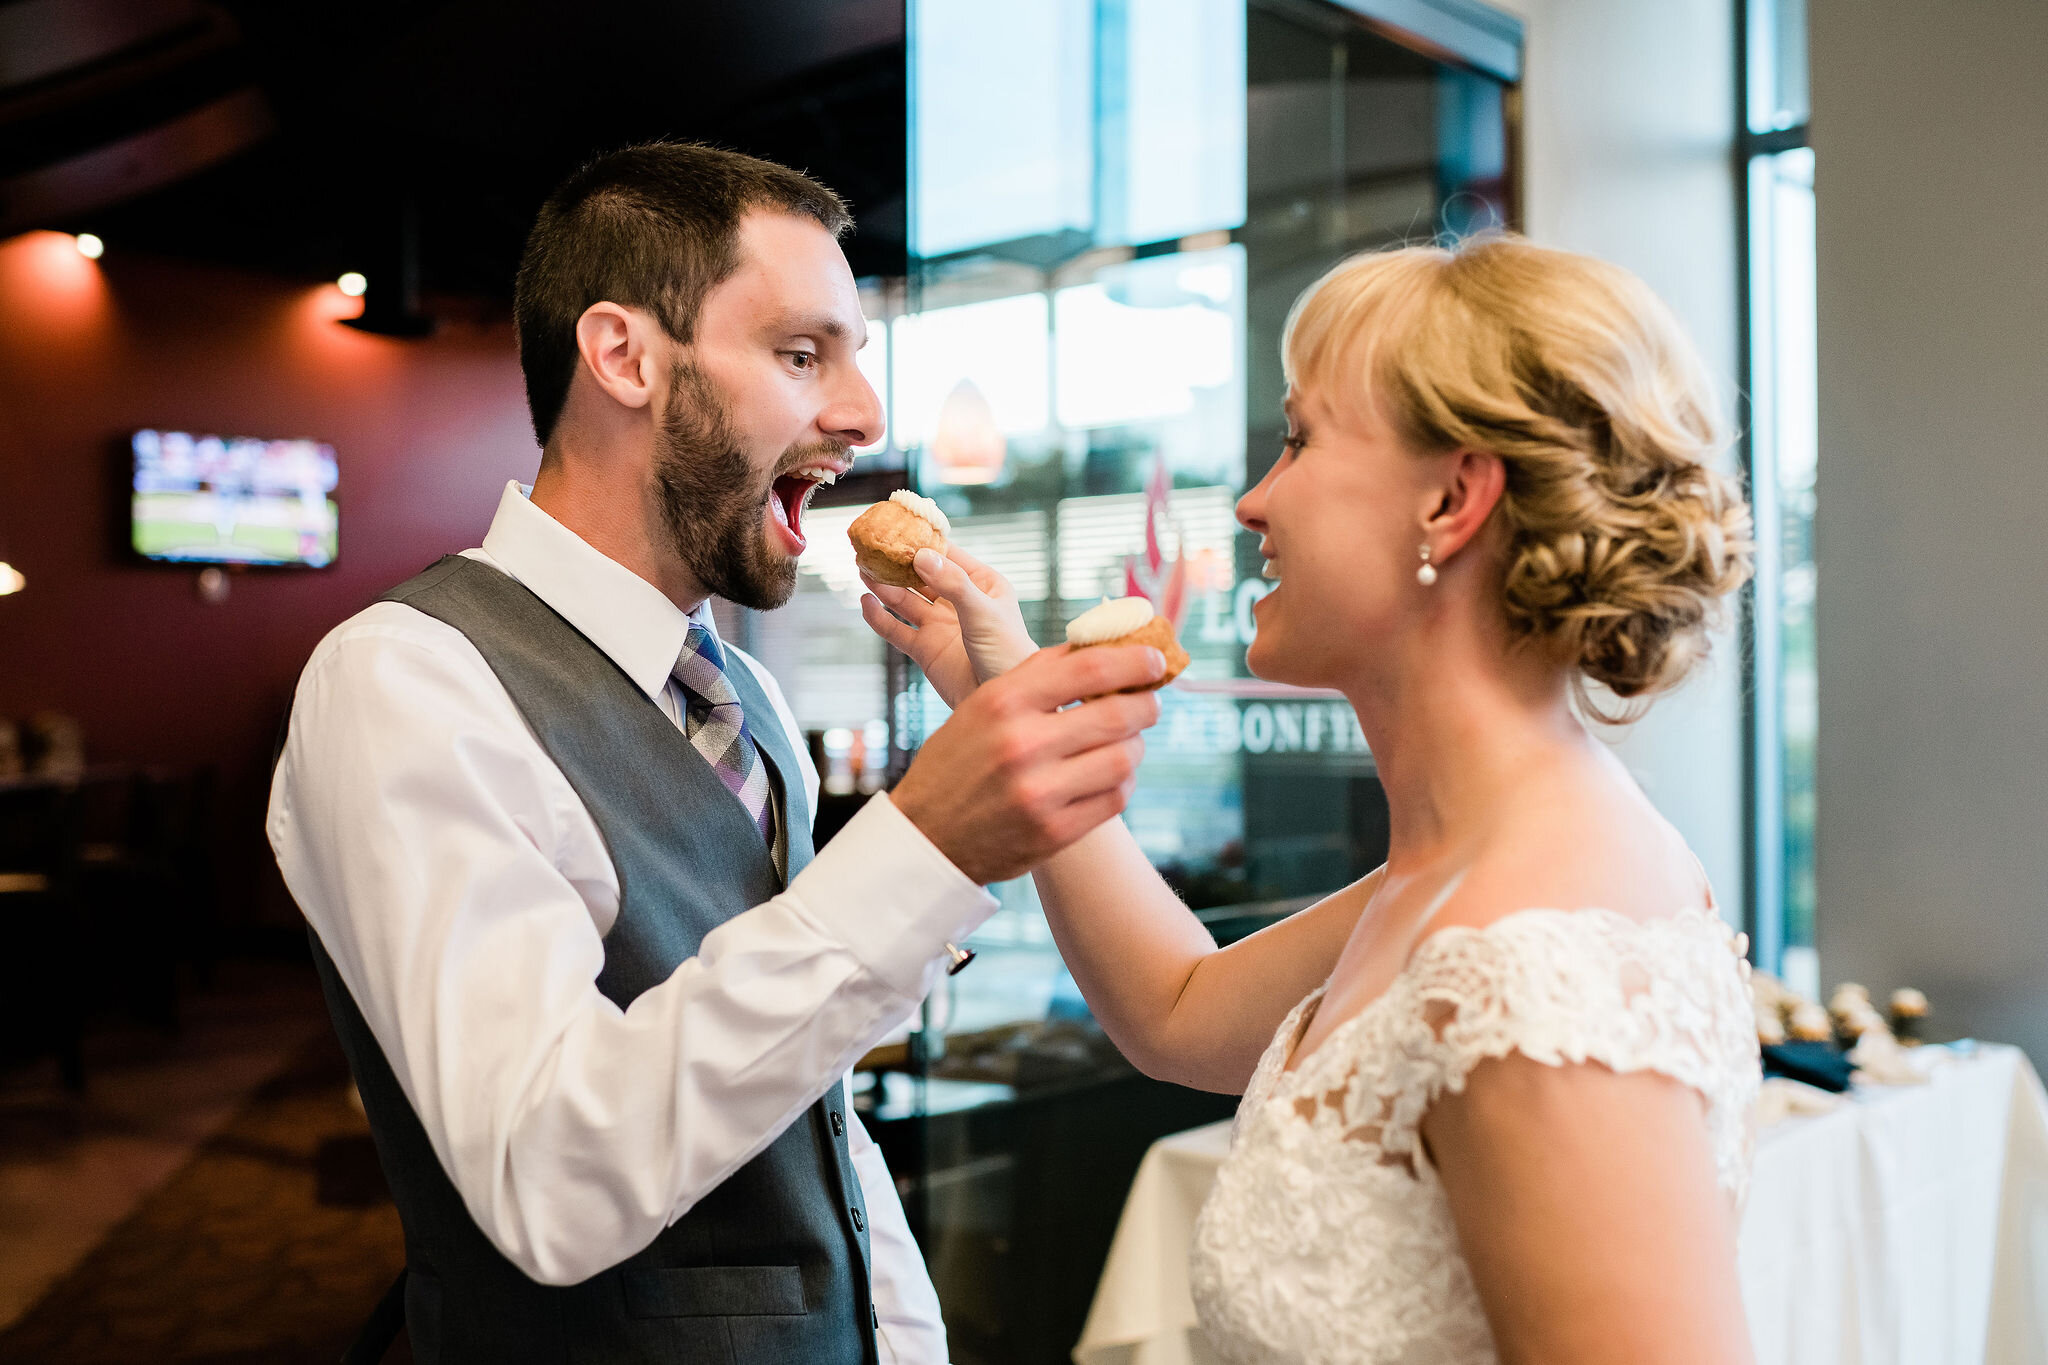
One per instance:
(1350,337)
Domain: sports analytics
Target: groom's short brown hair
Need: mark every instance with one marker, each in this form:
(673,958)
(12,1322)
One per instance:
(655,227)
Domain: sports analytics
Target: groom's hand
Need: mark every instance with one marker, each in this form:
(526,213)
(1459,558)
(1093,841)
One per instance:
(1011,779)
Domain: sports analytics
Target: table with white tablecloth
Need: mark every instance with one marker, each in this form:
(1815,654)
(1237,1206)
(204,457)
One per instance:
(1907,1227)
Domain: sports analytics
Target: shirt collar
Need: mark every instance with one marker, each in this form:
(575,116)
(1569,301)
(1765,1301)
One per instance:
(617,610)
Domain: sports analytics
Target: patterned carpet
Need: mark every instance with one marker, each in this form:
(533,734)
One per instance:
(237,1259)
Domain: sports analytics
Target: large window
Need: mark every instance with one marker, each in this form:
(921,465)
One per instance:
(1783,439)
(1112,205)
(1087,368)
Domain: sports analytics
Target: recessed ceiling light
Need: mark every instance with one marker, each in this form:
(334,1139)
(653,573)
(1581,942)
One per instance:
(90,247)
(352,284)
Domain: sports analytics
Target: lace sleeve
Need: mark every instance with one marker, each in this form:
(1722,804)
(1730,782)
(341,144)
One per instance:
(1577,986)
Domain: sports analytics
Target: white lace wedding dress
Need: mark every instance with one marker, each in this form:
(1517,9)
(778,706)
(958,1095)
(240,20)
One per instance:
(1327,1237)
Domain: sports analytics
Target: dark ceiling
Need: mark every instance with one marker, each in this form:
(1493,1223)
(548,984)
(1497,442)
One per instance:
(295,136)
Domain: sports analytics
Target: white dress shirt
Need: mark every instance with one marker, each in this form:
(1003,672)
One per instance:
(464,893)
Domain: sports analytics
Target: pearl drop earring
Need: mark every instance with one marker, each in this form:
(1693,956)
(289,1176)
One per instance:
(1426,575)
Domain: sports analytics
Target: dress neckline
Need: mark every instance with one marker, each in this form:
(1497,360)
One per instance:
(1296,1025)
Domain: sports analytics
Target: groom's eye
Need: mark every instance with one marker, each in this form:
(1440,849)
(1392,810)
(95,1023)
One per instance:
(802,360)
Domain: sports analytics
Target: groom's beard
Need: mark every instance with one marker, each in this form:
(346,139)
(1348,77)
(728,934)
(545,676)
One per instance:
(713,502)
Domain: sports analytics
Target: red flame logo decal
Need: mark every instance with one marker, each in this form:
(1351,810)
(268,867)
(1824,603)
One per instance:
(1161,581)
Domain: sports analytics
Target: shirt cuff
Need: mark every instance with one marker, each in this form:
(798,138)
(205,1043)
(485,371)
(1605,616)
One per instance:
(886,892)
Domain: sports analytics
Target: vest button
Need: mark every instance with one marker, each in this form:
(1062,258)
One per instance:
(838,1125)
(860,1224)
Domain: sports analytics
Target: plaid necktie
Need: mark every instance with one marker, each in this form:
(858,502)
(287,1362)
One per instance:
(718,729)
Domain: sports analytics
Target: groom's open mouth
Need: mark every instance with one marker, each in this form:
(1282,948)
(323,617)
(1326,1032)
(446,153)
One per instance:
(791,493)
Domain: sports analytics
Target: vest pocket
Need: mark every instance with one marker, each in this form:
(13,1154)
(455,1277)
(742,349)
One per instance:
(725,1291)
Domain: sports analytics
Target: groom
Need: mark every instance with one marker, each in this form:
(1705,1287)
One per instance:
(552,835)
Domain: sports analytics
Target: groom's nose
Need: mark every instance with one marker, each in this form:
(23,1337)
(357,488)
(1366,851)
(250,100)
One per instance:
(854,412)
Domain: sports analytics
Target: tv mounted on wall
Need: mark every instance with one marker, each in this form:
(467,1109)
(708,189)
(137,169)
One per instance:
(233,500)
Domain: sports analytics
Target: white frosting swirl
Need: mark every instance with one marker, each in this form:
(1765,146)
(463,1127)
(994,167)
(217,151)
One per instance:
(923,506)
(1109,621)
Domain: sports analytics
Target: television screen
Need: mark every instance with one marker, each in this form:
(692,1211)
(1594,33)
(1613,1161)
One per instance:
(233,500)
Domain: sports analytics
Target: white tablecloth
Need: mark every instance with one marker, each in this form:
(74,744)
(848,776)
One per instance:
(1909,1227)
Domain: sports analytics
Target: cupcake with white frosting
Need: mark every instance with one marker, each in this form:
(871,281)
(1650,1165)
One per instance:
(1129,621)
(887,537)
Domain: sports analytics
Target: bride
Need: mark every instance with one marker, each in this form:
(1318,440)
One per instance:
(1496,1094)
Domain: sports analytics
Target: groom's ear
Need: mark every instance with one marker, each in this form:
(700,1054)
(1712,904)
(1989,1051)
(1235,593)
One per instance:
(1474,481)
(616,347)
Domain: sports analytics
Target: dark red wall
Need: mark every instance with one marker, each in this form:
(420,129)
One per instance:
(427,432)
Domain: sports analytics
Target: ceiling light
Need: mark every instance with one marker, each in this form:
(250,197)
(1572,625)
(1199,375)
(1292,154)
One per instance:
(10,579)
(90,247)
(968,447)
(352,284)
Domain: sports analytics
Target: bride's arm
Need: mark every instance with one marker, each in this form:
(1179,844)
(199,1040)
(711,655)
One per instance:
(1179,1007)
(1176,1005)
(1588,1210)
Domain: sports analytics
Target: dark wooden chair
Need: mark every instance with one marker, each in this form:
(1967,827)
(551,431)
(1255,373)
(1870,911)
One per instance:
(173,838)
(133,912)
(43,995)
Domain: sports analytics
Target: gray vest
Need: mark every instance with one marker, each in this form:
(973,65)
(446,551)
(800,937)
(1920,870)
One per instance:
(770,1268)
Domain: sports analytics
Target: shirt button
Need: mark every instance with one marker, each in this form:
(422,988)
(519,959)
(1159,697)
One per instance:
(838,1125)
(860,1224)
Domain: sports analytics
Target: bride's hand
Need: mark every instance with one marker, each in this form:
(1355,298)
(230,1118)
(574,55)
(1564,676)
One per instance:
(968,631)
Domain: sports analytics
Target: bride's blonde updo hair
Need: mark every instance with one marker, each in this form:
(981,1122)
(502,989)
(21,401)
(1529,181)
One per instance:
(1622,539)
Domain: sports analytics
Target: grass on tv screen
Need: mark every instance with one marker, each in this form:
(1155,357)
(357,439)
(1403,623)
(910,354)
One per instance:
(234,500)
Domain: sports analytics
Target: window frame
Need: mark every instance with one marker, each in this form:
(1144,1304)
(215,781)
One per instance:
(1761,613)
